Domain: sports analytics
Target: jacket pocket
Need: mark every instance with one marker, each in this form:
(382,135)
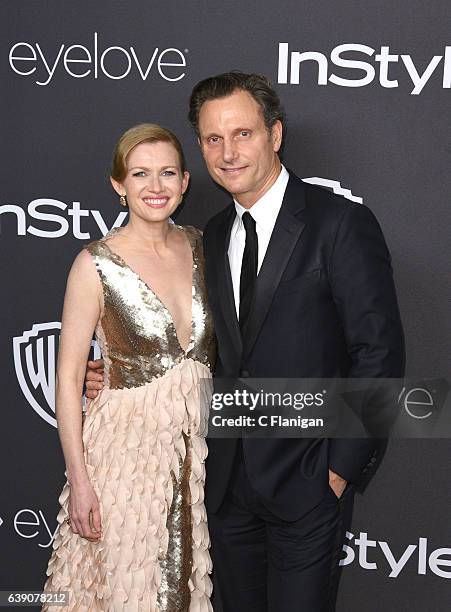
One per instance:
(299,282)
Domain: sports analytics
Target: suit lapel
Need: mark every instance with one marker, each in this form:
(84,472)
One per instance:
(225,281)
(284,238)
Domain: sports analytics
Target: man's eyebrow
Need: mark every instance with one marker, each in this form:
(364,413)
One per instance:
(210,134)
(235,131)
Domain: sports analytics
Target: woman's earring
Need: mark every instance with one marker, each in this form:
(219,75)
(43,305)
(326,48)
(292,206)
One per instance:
(123,200)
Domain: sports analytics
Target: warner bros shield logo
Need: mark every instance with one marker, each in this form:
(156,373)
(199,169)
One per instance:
(35,353)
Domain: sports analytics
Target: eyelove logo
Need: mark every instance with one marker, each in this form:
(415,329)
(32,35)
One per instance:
(437,560)
(289,66)
(33,525)
(96,60)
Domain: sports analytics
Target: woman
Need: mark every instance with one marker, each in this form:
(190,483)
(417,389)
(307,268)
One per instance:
(133,533)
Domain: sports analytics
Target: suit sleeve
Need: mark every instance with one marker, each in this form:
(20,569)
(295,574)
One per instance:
(363,290)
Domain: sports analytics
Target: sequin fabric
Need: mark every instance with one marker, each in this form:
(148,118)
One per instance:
(145,451)
(136,333)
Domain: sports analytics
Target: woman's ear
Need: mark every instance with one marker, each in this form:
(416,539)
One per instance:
(185,181)
(118,187)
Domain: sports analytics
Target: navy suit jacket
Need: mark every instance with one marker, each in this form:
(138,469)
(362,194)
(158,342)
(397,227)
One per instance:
(325,307)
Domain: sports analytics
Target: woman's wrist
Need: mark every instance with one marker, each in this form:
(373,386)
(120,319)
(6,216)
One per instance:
(77,478)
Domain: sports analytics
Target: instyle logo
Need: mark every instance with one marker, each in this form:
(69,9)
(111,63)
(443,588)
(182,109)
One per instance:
(53,225)
(361,73)
(49,218)
(378,555)
(35,354)
(96,61)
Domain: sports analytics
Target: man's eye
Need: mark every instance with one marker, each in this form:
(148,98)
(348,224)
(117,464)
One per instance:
(213,139)
(245,133)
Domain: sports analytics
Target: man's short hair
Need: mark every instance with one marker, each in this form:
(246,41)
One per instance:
(222,85)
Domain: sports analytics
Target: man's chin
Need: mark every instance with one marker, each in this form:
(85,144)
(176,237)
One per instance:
(233,186)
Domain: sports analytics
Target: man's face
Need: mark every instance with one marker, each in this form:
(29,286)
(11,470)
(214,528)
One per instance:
(240,153)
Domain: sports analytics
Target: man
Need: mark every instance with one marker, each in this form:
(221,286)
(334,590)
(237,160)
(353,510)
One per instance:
(300,285)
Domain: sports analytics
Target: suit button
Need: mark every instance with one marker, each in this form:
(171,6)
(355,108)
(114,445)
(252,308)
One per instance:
(373,460)
(244,374)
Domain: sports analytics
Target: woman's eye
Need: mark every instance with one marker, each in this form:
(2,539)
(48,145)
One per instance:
(169,173)
(140,173)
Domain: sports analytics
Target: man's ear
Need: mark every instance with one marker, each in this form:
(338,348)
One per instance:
(276,135)
(118,187)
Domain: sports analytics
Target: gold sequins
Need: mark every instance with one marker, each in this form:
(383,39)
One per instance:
(136,332)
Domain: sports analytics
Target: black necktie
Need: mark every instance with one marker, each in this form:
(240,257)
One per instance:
(248,269)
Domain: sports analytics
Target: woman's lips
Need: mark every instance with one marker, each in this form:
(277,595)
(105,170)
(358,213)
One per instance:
(156,202)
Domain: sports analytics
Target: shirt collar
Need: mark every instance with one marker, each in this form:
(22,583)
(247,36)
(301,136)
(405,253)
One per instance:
(266,209)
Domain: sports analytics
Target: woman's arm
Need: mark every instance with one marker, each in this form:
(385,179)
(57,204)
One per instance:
(82,309)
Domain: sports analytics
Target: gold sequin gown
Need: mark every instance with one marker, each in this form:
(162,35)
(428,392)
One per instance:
(144,453)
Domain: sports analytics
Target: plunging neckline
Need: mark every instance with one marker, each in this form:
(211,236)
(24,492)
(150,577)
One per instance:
(155,295)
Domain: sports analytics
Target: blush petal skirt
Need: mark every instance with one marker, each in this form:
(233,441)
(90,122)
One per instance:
(145,454)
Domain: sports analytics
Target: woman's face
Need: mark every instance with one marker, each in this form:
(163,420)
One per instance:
(154,183)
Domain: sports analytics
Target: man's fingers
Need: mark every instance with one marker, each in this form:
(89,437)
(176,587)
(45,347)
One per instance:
(96,364)
(91,394)
(94,376)
(94,385)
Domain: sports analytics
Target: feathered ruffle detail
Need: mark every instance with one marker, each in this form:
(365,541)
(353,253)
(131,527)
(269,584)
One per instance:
(135,445)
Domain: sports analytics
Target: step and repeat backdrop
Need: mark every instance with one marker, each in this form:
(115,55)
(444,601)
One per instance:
(367,92)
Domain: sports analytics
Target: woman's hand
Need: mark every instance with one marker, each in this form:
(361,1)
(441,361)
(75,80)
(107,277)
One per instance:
(84,512)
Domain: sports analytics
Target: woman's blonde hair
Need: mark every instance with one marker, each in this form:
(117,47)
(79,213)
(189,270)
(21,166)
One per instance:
(144,132)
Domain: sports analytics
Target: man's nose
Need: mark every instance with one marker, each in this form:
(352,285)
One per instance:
(229,150)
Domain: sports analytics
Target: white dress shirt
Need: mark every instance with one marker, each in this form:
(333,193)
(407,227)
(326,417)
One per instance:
(264,212)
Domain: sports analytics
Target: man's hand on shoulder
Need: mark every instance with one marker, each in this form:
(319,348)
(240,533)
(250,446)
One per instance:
(94,378)
(337,483)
